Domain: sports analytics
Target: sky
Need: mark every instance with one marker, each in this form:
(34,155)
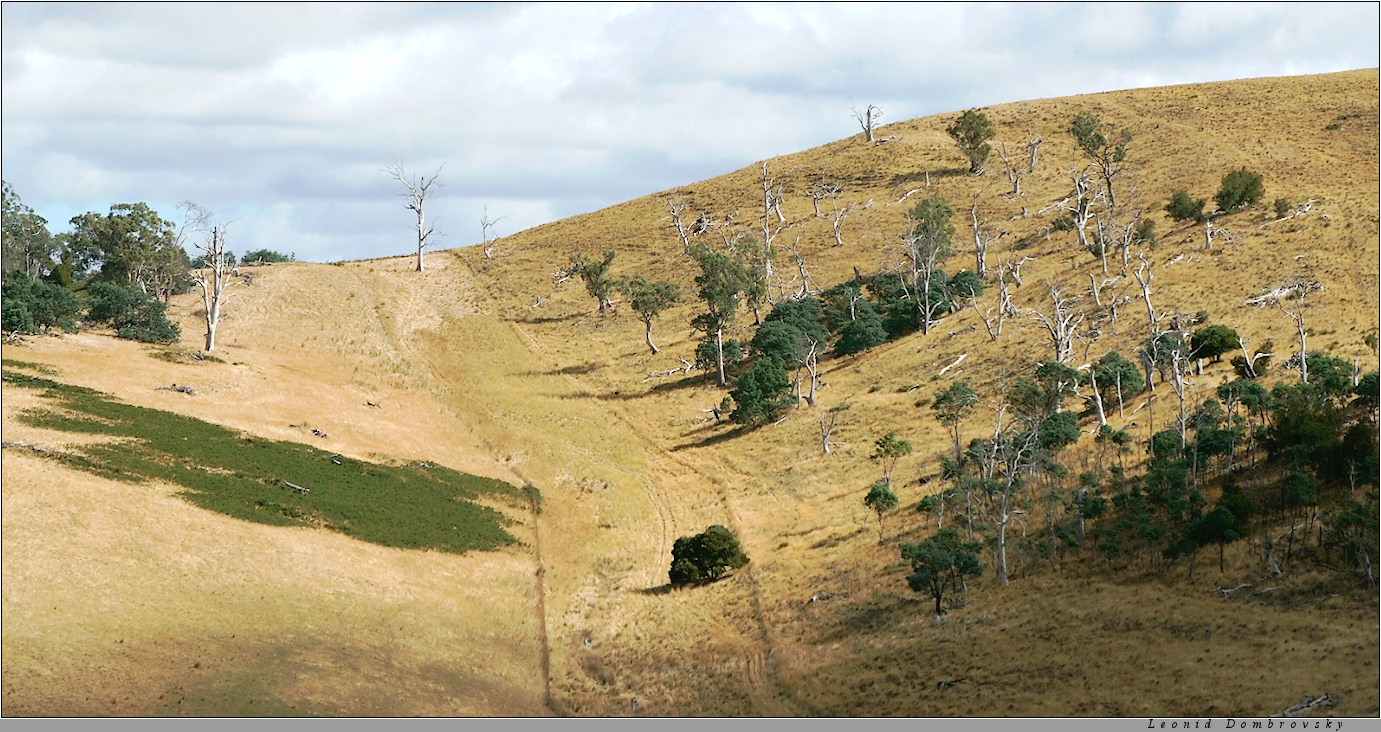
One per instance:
(279,118)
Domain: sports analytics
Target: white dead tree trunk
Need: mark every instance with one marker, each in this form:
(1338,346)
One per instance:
(1300,289)
(418,189)
(1082,210)
(838,220)
(1061,323)
(1143,277)
(823,189)
(1033,146)
(214,281)
(808,286)
(866,118)
(487,227)
(983,236)
(1013,172)
(1005,308)
(828,419)
(677,208)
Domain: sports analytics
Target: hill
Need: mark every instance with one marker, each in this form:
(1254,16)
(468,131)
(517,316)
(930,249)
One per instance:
(489,366)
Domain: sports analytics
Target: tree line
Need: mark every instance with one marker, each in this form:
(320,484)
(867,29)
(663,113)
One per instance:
(118,269)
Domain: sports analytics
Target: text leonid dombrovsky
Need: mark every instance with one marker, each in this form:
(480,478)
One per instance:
(1244,724)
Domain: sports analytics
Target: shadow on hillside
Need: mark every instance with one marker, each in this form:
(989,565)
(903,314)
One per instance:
(617,395)
(658,590)
(869,618)
(543,319)
(573,370)
(682,383)
(713,439)
(919,176)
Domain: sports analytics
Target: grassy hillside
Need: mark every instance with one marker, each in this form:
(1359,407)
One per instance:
(487,366)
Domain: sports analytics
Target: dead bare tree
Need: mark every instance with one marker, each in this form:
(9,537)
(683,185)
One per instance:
(828,419)
(1005,308)
(214,280)
(1033,146)
(1013,172)
(866,118)
(677,208)
(808,286)
(838,220)
(419,188)
(487,227)
(1299,288)
(1061,323)
(1082,210)
(822,189)
(983,235)
(1143,277)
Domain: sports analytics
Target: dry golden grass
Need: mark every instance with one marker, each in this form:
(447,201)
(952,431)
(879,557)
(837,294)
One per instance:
(471,371)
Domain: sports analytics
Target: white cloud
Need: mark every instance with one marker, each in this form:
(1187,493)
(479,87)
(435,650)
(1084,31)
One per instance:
(285,112)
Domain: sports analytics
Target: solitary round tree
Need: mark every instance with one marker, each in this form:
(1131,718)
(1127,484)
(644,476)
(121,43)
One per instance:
(705,557)
(1241,188)
(971,133)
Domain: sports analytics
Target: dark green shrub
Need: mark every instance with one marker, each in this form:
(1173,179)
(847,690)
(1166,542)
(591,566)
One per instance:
(1183,208)
(1282,206)
(265,256)
(1212,342)
(863,332)
(35,306)
(762,393)
(705,557)
(133,314)
(1240,188)
(965,285)
(706,358)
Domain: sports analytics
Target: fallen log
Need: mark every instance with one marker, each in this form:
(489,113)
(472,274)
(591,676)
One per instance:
(1309,703)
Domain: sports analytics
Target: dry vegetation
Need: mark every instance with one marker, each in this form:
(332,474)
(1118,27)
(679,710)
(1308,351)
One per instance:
(124,600)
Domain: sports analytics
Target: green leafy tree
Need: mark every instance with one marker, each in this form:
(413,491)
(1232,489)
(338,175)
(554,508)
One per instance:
(721,284)
(134,315)
(965,285)
(1184,208)
(887,451)
(1212,342)
(28,246)
(649,299)
(705,557)
(1117,378)
(35,306)
(1240,188)
(762,393)
(265,256)
(1104,145)
(971,132)
(864,331)
(881,499)
(941,564)
(131,245)
(952,406)
(595,275)
(929,244)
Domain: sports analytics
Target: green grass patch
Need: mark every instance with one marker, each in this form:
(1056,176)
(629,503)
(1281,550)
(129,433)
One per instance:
(415,505)
(27,366)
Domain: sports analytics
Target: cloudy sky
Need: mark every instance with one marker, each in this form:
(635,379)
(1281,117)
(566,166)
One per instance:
(279,117)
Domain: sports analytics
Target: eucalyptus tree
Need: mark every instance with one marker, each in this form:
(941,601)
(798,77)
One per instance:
(649,299)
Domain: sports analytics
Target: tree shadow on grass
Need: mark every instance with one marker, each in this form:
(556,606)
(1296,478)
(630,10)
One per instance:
(714,439)
(920,175)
